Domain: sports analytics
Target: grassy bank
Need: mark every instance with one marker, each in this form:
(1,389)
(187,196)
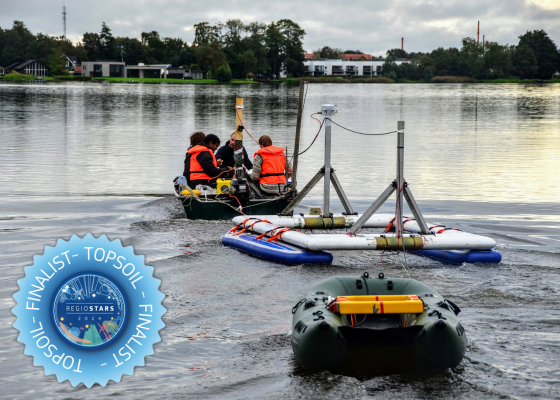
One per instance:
(161,80)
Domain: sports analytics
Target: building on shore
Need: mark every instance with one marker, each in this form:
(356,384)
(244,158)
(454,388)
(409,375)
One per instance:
(346,66)
(2,71)
(116,69)
(103,69)
(30,67)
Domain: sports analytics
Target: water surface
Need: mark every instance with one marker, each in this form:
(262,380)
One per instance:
(78,158)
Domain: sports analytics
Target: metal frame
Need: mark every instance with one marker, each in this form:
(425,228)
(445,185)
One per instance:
(402,189)
(328,110)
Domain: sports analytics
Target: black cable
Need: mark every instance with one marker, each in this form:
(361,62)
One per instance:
(360,133)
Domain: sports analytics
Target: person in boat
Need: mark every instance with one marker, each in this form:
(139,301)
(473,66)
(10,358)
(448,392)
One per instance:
(269,167)
(195,139)
(224,155)
(203,167)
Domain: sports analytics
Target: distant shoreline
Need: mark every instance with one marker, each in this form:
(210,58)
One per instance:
(289,81)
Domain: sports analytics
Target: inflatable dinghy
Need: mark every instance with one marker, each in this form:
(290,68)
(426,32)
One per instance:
(357,324)
(274,251)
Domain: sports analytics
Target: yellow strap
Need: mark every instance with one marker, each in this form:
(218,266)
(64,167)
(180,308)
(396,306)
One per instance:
(391,297)
(381,307)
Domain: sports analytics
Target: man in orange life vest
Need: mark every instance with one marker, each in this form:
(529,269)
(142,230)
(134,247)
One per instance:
(203,168)
(269,167)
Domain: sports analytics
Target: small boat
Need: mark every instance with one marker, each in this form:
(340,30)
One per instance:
(268,249)
(221,206)
(362,325)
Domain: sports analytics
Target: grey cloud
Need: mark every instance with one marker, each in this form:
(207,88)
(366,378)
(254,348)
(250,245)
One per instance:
(366,25)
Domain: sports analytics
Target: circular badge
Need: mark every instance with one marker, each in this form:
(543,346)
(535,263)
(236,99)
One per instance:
(89,310)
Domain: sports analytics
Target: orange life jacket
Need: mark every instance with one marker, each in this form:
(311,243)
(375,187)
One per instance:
(196,171)
(274,165)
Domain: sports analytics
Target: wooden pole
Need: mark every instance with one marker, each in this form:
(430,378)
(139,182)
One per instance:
(239,118)
(238,151)
(298,131)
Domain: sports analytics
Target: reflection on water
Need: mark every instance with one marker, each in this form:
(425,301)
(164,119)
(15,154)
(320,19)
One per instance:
(470,142)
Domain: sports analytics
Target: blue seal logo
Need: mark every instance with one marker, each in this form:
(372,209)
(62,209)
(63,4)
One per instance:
(89,310)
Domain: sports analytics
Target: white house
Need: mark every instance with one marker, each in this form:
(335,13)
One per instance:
(323,66)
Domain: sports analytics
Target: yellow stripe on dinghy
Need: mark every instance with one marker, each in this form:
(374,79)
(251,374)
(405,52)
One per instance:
(389,304)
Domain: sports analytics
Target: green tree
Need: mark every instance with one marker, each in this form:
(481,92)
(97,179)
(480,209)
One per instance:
(525,62)
(92,46)
(246,62)
(274,44)
(329,52)
(16,43)
(497,60)
(471,61)
(546,52)
(395,54)
(205,34)
(353,52)
(130,50)
(210,57)
(294,54)
(223,73)
(255,41)
(154,47)
(428,74)
(108,45)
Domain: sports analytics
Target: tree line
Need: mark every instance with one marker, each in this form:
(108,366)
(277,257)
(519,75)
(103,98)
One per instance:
(232,48)
(534,57)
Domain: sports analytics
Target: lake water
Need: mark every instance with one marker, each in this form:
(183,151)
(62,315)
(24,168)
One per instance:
(85,157)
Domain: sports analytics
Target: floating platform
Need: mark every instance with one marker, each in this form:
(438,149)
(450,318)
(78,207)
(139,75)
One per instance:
(444,244)
(273,251)
(362,325)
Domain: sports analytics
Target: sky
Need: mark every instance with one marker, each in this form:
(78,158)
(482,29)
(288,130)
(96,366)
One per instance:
(370,26)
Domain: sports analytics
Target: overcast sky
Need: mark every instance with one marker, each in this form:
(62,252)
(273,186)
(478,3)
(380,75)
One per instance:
(370,26)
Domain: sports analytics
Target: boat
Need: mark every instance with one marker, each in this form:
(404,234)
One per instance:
(268,249)
(242,197)
(364,325)
(221,207)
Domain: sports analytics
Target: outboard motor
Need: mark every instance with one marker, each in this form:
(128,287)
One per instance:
(239,188)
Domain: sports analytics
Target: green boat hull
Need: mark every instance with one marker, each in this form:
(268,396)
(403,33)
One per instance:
(214,210)
(383,343)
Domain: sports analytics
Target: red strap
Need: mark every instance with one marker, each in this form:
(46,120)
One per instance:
(390,224)
(278,235)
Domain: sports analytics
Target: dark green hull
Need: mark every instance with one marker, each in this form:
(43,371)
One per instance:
(383,343)
(214,210)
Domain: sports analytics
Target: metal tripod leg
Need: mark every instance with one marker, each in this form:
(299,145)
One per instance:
(341,194)
(303,192)
(416,211)
(372,209)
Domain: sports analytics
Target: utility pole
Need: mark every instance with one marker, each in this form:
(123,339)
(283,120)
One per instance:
(402,43)
(64,20)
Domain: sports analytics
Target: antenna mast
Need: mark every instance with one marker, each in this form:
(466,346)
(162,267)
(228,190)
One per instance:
(64,20)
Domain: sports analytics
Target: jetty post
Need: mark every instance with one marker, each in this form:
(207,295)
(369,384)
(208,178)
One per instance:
(298,134)
(327,110)
(400,177)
